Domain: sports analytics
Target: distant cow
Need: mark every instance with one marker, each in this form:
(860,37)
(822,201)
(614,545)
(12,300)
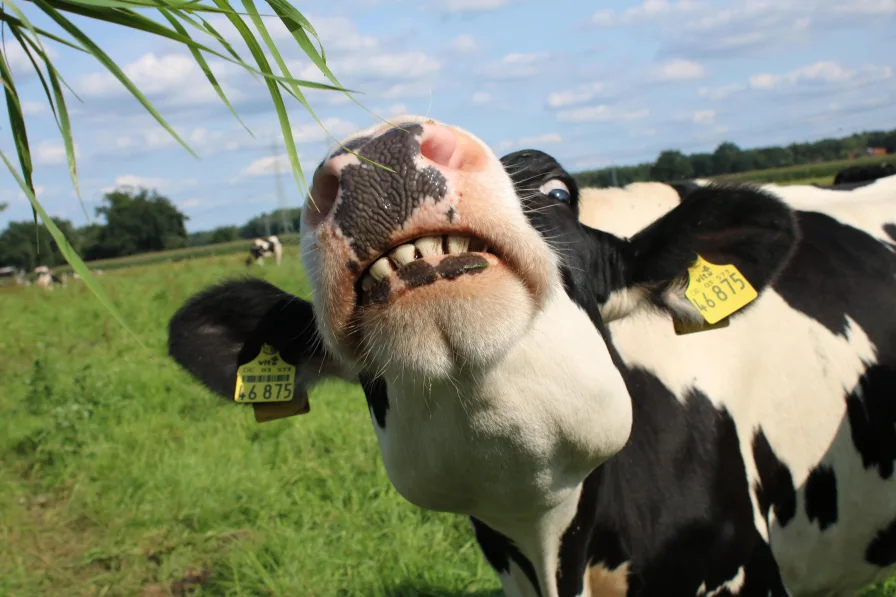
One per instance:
(46,279)
(865,173)
(265,247)
(521,368)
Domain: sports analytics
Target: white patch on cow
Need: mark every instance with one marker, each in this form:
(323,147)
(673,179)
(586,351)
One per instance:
(733,586)
(511,446)
(622,303)
(749,369)
(625,211)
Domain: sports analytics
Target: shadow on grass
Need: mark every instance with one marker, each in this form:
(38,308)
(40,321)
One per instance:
(422,590)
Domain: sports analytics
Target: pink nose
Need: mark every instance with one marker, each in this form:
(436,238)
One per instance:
(420,156)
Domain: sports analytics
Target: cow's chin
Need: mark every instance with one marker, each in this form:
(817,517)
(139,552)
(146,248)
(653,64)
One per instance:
(448,328)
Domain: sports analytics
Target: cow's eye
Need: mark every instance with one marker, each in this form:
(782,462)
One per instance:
(555,188)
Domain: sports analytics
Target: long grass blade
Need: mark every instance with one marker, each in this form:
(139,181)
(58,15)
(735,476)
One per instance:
(68,251)
(17,126)
(110,64)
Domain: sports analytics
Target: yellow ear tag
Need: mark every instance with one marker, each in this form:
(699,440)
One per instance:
(266,378)
(717,291)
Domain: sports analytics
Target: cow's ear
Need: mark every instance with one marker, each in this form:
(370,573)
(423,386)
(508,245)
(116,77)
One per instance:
(725,225)
(226,325)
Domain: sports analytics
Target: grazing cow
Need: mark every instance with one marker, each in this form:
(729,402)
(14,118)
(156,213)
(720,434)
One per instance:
(265,247)
(470,309)
(864,173)
(46,279)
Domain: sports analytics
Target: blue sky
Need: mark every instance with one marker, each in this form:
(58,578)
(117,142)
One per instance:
(592,83)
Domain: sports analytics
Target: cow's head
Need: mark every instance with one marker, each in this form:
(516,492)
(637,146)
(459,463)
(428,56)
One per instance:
(491,391)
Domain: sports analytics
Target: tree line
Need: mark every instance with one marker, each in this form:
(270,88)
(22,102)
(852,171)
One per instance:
(728,158)
(142,221)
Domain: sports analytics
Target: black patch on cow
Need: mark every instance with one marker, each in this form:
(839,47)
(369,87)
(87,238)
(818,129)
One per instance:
(675,502)
(225,325)
(821,496)
(375,202)
(846,186)
(353,266)
(453,266)
(499,550)
(839,271)
(417,273)
(377,395)
(451,213)
(872,415)
(775,487)
(865,173)
(890,229)
(684,188)
(379,292)
(881,551)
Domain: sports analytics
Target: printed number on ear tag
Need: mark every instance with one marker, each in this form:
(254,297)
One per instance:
(717,291)
(266,378)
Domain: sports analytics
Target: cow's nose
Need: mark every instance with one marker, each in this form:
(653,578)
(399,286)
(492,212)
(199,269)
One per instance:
(420,157)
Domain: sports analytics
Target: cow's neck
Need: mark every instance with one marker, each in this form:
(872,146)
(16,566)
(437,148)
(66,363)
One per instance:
(511,446)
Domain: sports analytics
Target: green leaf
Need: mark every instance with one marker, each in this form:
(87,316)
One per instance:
(17,125)
(111,66)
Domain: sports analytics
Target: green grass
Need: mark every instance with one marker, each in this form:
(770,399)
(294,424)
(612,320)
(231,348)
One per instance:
(795,174)
(122,477)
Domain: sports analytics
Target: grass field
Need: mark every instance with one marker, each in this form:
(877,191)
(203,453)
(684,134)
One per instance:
(121,477)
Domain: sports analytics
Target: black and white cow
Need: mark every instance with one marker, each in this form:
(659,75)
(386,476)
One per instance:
(46,279)
(265,247)
(593,459)
(864,174)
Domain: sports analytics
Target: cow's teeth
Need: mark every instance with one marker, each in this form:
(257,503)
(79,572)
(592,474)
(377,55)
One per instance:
(431,246)
(458,244)
(381,268)
(403,255)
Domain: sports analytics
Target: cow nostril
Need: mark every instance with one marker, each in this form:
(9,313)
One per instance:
(439,145)
(324,190)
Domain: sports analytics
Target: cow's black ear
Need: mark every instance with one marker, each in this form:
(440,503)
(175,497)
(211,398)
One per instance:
(737,225)
(226,325)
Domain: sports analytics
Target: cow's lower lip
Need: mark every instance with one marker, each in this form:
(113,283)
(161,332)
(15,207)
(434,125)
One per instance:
(424,272)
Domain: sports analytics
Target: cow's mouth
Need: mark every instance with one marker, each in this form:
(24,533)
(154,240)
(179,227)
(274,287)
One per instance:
(423,261)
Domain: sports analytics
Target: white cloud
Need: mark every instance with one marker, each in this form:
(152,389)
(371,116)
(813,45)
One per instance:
(817,75)
(546,139)
(50,153)
(312,132)
(601,113)
(190,203)
(175,79)
(703,117)
(517,66)
(580,95)
(464,43)
(472,6)
(392,66)
(647,11)
(867,7)
(482,97)
(33,108)
(407,91)
(268,165)
(678,70)
(134,181)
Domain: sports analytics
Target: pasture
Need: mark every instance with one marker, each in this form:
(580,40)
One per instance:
(120,476)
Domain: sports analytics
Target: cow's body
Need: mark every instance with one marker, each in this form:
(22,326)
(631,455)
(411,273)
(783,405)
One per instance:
(265,247)
(593,458)
(46,279)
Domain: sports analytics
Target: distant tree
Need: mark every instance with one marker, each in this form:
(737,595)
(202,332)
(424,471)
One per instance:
(702,164)
(3,206)
(224,234)
(266,224)
(723,158)
(138,222)
(672,165)
(26,246)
